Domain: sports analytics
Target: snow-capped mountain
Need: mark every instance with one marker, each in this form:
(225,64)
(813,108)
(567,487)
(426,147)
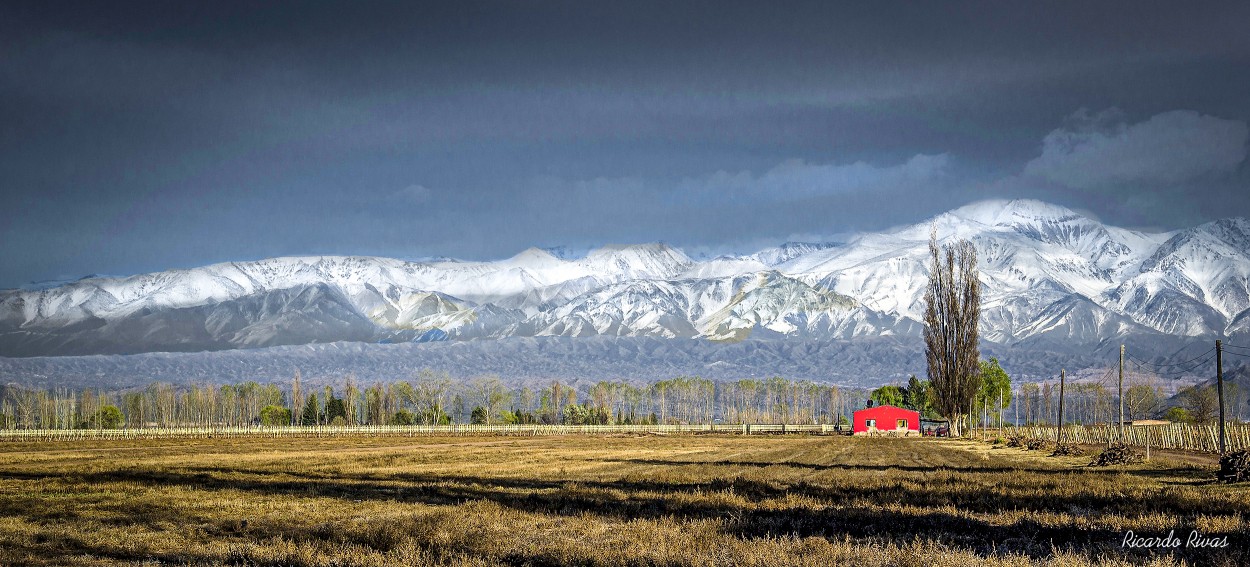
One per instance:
(1051,276)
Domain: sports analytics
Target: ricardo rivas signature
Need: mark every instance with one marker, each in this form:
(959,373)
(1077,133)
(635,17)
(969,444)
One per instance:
(1194,540)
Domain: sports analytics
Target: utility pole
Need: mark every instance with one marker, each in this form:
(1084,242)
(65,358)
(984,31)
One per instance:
(1059,430)
(1219,388)
(971,428)
(1121,394)
(1000,410)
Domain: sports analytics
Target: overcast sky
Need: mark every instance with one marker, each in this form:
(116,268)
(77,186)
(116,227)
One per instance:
(141,137)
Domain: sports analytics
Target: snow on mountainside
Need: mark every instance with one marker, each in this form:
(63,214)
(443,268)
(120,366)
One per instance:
(1051,276)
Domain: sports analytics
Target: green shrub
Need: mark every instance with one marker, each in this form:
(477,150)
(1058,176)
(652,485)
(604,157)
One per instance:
(108,417)
(275,415)
(432,417)
(1178,415)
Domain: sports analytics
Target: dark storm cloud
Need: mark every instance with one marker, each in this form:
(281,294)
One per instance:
(140,137)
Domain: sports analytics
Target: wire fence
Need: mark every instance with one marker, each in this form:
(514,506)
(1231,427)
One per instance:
(34,435)
(1172,436)
(1204,438)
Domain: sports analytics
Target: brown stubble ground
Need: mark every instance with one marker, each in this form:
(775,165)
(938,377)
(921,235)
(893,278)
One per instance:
(679,500)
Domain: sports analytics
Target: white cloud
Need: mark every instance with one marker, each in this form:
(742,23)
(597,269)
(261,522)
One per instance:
(413,193)
(798,179)
(1099,150)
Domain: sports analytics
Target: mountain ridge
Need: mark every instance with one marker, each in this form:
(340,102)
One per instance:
(1049,274)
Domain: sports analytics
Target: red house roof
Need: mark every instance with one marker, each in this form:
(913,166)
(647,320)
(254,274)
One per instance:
(885,418)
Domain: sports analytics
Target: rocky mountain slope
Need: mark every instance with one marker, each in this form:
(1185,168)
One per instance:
(1054,280)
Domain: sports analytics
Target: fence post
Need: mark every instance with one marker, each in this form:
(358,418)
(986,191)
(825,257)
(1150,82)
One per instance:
(1059,430)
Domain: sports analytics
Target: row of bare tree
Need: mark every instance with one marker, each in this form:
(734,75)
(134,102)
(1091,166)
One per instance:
(435,398)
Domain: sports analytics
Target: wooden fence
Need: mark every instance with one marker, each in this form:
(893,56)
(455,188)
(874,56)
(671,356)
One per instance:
(1172,436)
(398,430)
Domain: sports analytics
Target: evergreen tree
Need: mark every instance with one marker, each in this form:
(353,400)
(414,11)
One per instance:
(309,416)
(335,408)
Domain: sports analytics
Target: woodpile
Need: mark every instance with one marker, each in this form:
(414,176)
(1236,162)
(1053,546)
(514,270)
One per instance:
(1116,455)
(1016,440)
(1234,467)
(1036,444)
(1067,450)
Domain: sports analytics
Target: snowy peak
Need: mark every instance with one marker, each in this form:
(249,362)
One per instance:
(1042,222)
(1051,276)
(535,259)
(1212,242)
(1015,212)
(639,261)
(773,257)
(1235,232)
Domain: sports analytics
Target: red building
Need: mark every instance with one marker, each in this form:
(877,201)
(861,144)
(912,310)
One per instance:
(890,419)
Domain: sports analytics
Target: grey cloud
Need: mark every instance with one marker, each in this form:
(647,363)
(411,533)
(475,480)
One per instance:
(141,136)
(1170,148)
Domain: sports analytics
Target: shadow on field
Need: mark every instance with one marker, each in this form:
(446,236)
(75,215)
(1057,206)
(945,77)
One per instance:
(1198,474)
(835,510)
(68,550)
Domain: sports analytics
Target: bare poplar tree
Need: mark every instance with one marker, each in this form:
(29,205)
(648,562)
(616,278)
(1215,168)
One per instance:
(952,313)
(297,399)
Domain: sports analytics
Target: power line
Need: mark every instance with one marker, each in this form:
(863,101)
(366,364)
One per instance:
(1102,380)
(1182,363)
(1237,348)
(1190,369)
(1160,366)
(1172,373)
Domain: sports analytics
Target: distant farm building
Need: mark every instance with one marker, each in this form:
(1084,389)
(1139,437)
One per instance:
(886,419)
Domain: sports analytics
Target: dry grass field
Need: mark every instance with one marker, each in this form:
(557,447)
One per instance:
(681,500)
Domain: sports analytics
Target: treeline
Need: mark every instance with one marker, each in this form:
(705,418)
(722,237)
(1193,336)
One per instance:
(433,398)
(1093,403)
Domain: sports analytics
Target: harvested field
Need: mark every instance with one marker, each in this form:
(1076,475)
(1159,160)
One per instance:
(609,500)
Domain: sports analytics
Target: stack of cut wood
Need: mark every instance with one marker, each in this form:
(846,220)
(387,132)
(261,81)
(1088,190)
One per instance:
(1116,455)
(1015,440)
(1067,450)
(1234,467)
(1036,444)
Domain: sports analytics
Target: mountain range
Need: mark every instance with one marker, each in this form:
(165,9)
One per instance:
(1054,280)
